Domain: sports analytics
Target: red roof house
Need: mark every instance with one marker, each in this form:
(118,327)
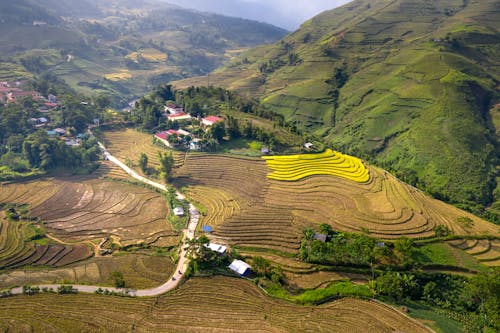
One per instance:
(210,120)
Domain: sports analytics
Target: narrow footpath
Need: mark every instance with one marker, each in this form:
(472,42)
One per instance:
(182,264)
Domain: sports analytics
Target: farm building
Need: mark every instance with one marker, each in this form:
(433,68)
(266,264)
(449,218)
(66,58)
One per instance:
(240,267)
(320,237)
(195,144)
(178,211)
(179,116)
(308,145)
(178,132)
(173,109)
(217,248)
(15,96)
(210,120)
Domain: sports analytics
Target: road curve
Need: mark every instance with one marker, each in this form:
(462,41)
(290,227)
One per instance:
(182,264)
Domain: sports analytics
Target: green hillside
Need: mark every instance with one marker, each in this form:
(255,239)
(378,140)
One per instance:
(410,85)
(122,49)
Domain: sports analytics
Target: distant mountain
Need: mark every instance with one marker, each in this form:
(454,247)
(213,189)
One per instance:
(121,47)
(410,85)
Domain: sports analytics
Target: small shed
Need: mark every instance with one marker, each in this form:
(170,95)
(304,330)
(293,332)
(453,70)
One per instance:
(264,150)
(320,237)
(207,228)
(221,249)
(178,211)
(240,267)
(308,145)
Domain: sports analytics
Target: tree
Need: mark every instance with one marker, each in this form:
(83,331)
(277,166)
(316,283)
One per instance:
(217,131)
(143,162)
(117,278)
(483,292)
(166,165)
(405,248)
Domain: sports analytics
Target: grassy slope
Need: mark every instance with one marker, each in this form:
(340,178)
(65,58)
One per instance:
(410,103)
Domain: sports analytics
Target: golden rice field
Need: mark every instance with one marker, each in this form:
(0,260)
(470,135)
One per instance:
(129,144)
(484,250)
(139,271)
(151,55)
(217,304)
(118,76)
(296,167)
(270,214)
(85,208)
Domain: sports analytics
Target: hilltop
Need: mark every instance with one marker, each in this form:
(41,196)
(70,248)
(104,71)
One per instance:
(409,85)
(119,48)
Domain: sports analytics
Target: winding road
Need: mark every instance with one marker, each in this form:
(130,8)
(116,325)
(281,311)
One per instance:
(182,264)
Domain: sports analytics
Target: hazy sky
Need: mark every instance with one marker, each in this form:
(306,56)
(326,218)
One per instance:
(288,14)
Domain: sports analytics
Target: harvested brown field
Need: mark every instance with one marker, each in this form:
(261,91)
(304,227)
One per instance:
(217,304)
(269,214)
(82,209)
(485,250)
(108,169)
(129,144)
(139,271)
(16,249)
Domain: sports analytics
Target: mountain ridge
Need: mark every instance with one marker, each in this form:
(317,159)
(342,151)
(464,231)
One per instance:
(406,84)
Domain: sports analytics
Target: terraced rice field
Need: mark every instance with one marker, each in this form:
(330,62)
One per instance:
(108,169)
(485,251)
(82,209)
(217,304)
(270,214)
(129,144)
(296,167)
(17,251)
(140,271)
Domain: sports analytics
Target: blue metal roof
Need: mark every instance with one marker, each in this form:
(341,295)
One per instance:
(206,228)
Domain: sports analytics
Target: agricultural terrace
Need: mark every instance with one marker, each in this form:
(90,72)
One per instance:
(249,210)
(296,167)
(128,144)
(17,249)
(200,305)
(139,271)
(82,209)
(484,250)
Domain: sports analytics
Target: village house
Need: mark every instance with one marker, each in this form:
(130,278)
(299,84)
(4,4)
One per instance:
(178,117)
(15,96)
(164,136)
(39,122)
(221,249)
(240,267)
(178,211)
(173,109)
(210,120)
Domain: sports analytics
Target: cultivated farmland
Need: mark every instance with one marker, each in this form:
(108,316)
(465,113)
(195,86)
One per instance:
(485,250)
(296,167)
(82,209)
(139,271)
(270,214)
(217,304)
(16,249)
(129,144)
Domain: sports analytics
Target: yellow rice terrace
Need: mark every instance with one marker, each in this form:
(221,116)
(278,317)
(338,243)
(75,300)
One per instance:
(296,167)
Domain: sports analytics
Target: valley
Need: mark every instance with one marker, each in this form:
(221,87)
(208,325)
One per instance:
(342,176)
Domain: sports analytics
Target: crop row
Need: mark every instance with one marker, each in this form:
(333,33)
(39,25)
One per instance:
(485,250)
(17,251)
(296,167)
(217,304)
